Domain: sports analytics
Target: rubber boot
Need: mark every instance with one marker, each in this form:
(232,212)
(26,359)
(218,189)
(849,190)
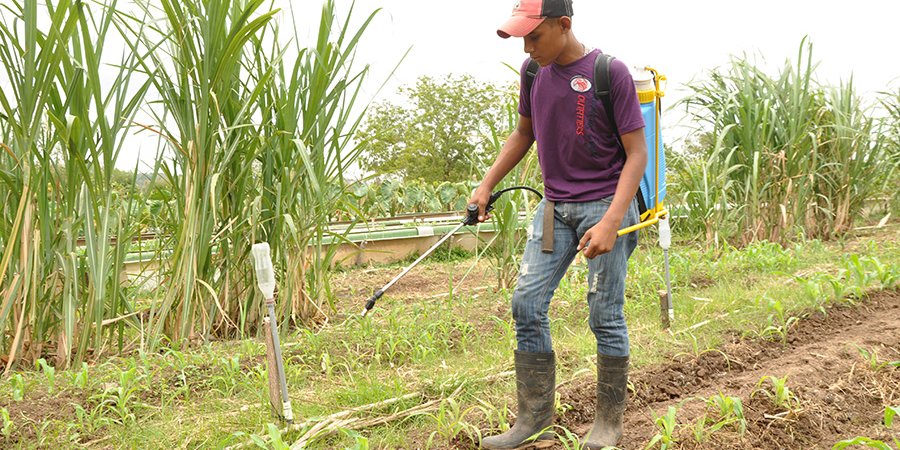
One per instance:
(536,392)
(612,388)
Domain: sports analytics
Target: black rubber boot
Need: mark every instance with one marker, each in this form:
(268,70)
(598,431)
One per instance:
(612,389)
(536,392)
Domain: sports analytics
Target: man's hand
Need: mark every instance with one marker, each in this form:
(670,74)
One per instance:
(600,239)
(480,198)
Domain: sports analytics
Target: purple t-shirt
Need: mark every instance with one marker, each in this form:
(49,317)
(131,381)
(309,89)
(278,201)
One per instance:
(580,158)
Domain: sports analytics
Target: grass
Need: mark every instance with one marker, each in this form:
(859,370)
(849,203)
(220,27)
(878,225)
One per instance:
(420,351)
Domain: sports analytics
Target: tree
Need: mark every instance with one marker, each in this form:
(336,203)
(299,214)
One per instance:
(442,133)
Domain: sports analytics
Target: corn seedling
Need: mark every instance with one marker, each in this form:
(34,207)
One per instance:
(49,372)
(118,400)
(496,418)
(696,350)
(778,325)
(871,358)
(79,378)
(665,426)
(780,395)
(17,383)
(889,413)
(727,411)
(360,442)
(88,422)
(274,440)
(868,442)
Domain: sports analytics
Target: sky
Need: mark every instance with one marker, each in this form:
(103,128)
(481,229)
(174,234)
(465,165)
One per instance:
(682,39)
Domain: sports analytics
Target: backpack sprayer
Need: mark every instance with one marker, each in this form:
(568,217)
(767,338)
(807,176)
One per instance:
(651,193)
(470,219)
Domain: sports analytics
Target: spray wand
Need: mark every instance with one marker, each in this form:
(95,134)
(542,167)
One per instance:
(470,219)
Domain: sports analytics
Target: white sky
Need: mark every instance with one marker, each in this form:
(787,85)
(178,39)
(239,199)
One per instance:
(681,39)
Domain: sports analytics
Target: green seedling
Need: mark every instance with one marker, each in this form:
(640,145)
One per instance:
(226,383)
(568,439)
(450,421)
(118,400)
(496,418)
(17,382)
(778,325)
(49,372)
(8,425)
(79,379)
(697,350)
(90,421)
(561,408)
(274,442)
(871,358)
(665,435)
(868,442)
(360,442)
(889,413)
(781,395)
(729,410)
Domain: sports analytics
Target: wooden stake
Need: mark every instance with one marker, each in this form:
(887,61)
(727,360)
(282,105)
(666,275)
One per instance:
(272,369)
(664,310)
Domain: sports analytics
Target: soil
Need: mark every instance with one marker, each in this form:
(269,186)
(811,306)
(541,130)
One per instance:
(839,395)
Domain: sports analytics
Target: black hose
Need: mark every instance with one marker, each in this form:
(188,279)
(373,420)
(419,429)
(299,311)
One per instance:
(472,210)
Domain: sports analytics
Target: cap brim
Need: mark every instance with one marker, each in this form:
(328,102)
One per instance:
(518,26)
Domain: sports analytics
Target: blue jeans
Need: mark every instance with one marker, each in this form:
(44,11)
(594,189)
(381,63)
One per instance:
(540,274)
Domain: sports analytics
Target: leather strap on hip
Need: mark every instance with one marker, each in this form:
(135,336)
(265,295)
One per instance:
(547,237)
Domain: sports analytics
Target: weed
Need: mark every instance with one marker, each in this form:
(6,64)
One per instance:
(449,422)
(226,383)
(496,418)
(665,437)
(568,439)
(8,425)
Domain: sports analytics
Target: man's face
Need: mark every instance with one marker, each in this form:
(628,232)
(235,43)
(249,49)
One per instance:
(546,42)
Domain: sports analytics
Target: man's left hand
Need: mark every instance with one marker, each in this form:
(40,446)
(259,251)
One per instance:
(600,239)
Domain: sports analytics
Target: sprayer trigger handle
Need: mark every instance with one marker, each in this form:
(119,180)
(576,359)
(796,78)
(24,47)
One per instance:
(471,214)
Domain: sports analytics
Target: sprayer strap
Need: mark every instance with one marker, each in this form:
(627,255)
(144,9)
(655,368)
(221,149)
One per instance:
(547,234)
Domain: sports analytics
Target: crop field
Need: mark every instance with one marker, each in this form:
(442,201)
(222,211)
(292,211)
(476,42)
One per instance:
(771,348)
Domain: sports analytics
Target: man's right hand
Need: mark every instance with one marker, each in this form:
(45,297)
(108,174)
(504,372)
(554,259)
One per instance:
(480,198)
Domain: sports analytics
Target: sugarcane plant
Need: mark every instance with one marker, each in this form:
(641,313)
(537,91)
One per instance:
(64,127)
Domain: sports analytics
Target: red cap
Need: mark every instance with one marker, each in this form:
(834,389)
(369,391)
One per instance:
(528,14)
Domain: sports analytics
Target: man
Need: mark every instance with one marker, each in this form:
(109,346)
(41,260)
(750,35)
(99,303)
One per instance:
(590,183)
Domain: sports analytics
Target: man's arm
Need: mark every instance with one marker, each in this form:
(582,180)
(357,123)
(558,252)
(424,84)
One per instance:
(601,238)
(514,149)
